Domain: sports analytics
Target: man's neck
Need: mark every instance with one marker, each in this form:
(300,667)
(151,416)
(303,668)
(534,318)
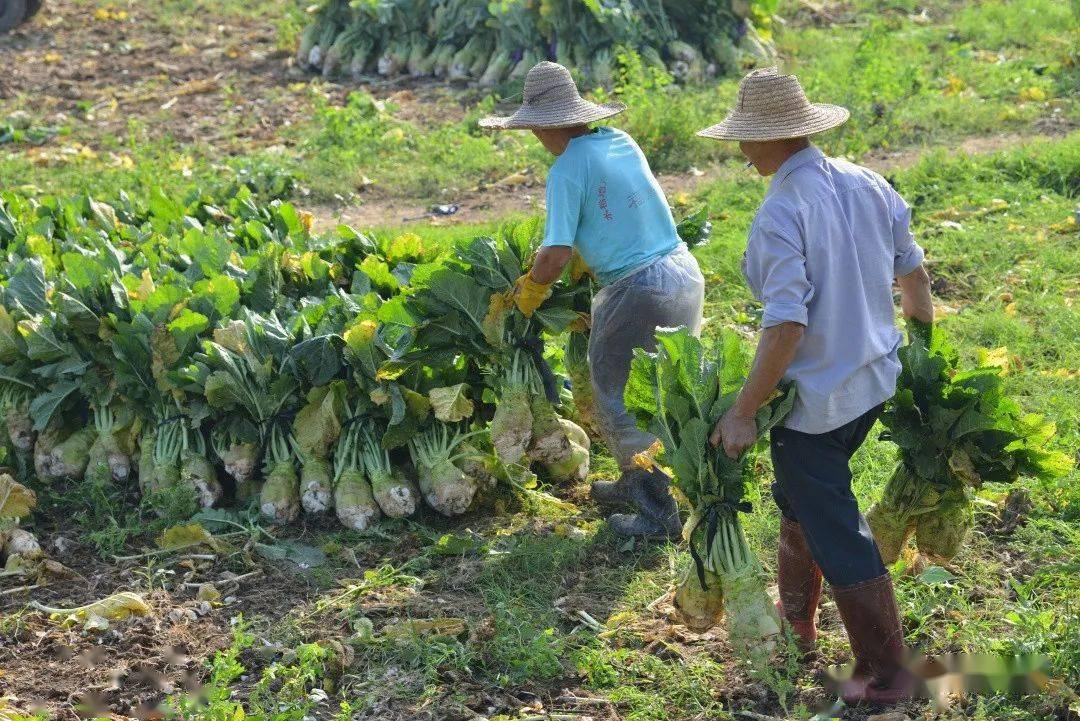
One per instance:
(783,150)
(789,149)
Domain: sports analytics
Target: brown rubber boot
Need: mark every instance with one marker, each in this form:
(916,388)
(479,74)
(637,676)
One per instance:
(872,620)
(799,579)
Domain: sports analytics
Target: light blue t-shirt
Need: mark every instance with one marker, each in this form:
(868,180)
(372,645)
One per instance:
(603,200)
(823,251)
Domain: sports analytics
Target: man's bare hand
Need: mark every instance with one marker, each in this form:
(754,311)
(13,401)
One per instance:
(736,432)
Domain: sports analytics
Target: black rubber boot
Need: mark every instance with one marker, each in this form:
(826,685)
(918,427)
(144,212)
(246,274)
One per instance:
(635,524)
(658,504)
(622,492)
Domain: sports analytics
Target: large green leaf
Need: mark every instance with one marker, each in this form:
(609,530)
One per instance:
(45,405)
(27,285)
(461,293)
(317,360)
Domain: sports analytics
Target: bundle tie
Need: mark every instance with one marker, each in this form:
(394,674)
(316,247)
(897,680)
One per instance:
(171,419)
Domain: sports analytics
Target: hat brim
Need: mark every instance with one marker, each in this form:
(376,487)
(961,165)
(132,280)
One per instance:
(578,112)
(818,118)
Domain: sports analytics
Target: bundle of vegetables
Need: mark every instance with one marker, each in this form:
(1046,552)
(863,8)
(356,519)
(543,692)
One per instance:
(470,307)
(212,349)
(493,42)
(955,430)
(678,394)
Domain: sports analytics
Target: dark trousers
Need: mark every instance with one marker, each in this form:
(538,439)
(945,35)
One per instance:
(813,488)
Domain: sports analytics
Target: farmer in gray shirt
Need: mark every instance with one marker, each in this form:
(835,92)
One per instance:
(823,252)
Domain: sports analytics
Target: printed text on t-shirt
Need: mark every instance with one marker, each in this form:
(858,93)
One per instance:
(601,201)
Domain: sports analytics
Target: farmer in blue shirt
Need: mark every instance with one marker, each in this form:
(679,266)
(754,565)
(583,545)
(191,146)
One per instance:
(823,252)
(604,204)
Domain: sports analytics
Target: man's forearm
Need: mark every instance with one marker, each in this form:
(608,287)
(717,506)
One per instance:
(549,263)
(774,354)
(915,298)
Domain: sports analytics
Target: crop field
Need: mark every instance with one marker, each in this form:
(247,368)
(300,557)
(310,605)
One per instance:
(145,146)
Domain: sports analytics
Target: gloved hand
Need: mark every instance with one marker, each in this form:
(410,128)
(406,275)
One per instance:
(528,294)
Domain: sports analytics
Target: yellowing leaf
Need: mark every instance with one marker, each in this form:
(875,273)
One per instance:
(954,85)
(307,220)
(996,358)
(450,403)
(494,323)
(16,500)
(112,608)
(208,592)
(184,536)
(514,180)
(395,135)
(646,460)
(1067,373)
(1033,93)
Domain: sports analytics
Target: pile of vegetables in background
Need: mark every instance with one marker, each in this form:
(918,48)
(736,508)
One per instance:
(216,351)
(955,429)
(678,394)
(489,42)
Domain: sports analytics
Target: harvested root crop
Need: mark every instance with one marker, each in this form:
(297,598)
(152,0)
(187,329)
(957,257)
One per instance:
(396,494)
(279,499)
(512,425)
(444,486)
(354,500)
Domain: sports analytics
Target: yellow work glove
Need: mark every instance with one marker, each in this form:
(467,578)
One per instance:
(528,294)
(577,267)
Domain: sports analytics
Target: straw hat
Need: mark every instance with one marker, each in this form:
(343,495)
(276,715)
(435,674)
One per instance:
(774,107)
(551,100)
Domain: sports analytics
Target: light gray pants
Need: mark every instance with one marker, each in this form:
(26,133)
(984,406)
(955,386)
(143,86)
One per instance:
(625,315)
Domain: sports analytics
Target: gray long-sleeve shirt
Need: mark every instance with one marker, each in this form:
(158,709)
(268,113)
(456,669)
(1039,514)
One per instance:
(823,250)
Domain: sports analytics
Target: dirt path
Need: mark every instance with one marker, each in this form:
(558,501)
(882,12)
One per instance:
(495,203)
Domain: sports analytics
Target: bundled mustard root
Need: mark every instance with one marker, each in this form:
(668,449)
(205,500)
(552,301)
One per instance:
(396,494)
(279,499)
(954,430)
(444,486)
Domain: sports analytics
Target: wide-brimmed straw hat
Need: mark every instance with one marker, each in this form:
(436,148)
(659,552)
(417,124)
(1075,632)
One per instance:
(773,106)
(551,100)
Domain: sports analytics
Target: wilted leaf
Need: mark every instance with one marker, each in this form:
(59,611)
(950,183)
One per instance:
(458,544)
(425,628)
(208,592)
(184,536)
(112,608)
(301,554)
(450,404)
(935,575)
(16,500)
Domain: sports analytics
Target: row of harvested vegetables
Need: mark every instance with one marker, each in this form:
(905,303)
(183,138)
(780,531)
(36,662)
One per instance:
(214,350)
(488,43)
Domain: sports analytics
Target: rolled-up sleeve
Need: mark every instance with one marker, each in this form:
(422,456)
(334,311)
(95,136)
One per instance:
(907,254)
(563,197)
(776,270)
